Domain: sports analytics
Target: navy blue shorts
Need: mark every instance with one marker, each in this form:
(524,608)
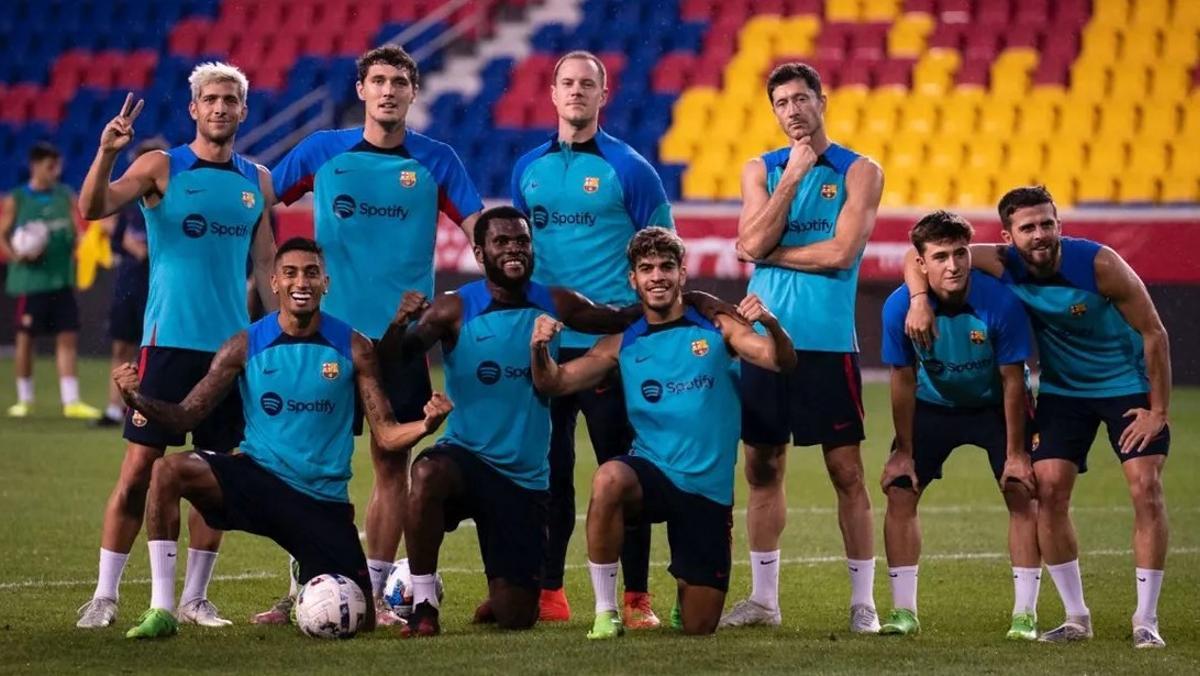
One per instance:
(125,317)
(319,534)
(169,374)
(407,387)
(47,312)
(938,430)
(510,520)
(1067,427)
(699,530)
(820,402)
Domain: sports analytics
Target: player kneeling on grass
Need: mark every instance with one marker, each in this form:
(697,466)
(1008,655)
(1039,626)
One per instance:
(679,372)
(968,388)
(297,371)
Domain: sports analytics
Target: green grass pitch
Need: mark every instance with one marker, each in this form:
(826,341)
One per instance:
(55,476)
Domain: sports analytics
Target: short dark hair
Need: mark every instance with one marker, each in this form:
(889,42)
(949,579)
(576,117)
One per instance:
(583,54)
(300,244)
(655,241)
(389,55)
(1019,198)
(43,150)
(500,213)
(940,226)
(786,72)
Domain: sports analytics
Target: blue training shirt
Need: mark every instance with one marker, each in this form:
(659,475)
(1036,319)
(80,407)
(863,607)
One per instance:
(298,401)
(498,414)
(585,201)
(681,392)
(199,236)
(375,212)
(990,330)
(815,308)
(1085,346)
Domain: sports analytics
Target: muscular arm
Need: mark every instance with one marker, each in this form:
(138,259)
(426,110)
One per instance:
(100,196)
(553,380)
(864,185)
(904,406)
(773,351)
(1012,379)
(204,397)
(468,227)
(441,322)
(8,215)
(1118,282)
(389,434)
(262,251)
(761,223)
(582,314)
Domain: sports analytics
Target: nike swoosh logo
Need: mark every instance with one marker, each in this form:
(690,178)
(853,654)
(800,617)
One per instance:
(841,426)
(853,569)
(1141,579)
(893,574)
(638,360)
(480,339)
(267,372)
(339,172)
(192,191)
(170,556)
(766,563)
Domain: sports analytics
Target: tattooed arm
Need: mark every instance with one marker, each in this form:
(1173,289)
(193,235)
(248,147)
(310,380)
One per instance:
(204,397)
(389,434)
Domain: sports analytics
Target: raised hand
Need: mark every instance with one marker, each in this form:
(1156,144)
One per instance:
(544,329)
(412,305)
(752,309)
(126,377)
(801,158)
(119,131)
(436,410)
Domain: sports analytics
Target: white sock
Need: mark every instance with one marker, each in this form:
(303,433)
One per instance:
(293,576)
(1149,583)
(1026,584)
(764,579)
(904,587)
(114,412)
(604,585)
(162,574)
(68,389)
(1069,583)
(862,582)
(425,589)
(25,390)
(200,564)
(379,571)
(112,565)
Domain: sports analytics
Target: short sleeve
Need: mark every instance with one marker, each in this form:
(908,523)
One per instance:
(897,349)
(1012,338)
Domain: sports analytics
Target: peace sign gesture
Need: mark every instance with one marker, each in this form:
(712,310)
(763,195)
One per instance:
(119,131)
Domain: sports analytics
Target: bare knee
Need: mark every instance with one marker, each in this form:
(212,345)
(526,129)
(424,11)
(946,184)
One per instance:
(391,468)
(166,475)
(902,503)
(134,481)
(611,483)
(1054,494)
(765,466)
(846,473)
(1146,491)
(429,478)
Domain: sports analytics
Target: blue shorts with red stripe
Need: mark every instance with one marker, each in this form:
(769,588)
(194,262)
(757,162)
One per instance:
(819,402)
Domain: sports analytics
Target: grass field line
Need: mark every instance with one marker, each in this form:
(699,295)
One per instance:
(791,561)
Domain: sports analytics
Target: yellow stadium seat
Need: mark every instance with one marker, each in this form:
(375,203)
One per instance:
(1010,83)
(1148,157)
(843,10)
(1089,82)
(897,190)
(841,127)
(1036,122)
(1189,130)
(908,34)
(729,186)
(958,122)
(1077,120)
(1180,189)
(1047,97)
(919,115)
(933,191)
(1106,156)
(906,154)
(695,102)
(1066,155)
(945,156)
(1151,13)
(1110,12)
(1139,46)
(804,26)
(984,153)
(1137,189)
(880,10)
(878,121)
(1169,82)
(1100,43)
(1185,161)
(759,29)
(1185,13)
(1017,58)
(1160,121)
(1130,80)
(676,148)
(874,147)
(1099,187)
(699,184)
(974,189)
(1180,44)
(1117,122)
(1025,157)
(1061,184)
(997,119)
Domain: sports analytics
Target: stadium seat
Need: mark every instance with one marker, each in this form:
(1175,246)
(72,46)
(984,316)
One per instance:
(1096,188)
(1137,189)
(897,191)
(974,188)
(1180,189)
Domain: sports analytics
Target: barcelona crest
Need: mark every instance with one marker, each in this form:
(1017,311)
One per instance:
(977,337)
(591,184)
(408,178)
(700,347)
(248,199)
(330,370)
(1078,309)
(829,190)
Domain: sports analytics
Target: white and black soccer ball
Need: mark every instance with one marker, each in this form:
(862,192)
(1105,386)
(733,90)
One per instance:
(330,606)
(397,591)
(31,239)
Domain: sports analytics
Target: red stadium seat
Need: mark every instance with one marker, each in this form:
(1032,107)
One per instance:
(856,73)
(1052,72)
(510,112)
(894,73)
(320,43)
(831,42)
(672,72)
(868,41)
(947,36)
(954,11)
(353,43)
(974,72)
(981,43)
(795,7)
(995,13)
(47,109)
(696,10)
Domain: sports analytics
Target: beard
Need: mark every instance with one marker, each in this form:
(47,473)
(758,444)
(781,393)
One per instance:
(1053,251)
(495,273)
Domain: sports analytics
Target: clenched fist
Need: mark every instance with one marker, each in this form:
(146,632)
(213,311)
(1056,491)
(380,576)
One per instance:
(412,305)
(126,378)
(436,410)
(544,330)
(752,310)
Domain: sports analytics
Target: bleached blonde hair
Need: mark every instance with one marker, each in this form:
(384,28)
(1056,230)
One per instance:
(216,71)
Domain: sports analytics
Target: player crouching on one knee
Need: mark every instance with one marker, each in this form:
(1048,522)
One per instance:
(967,388)
(679,373)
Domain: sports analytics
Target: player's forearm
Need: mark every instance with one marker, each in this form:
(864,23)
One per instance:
(1015,414)
(603,319)
(762,231)
(545,372)
(783,354)
(95,197)
(1157,349)
(904,408)
(828,256)
(178,418)
(914,279)
(394,436)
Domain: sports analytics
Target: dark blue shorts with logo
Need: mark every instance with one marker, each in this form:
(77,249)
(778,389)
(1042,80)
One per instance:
(699,530)
(819,402)
(938,430)
(169,374)
(1067,427)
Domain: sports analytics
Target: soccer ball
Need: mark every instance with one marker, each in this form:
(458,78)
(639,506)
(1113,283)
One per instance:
(330,606)
(397,591)
(31,239)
